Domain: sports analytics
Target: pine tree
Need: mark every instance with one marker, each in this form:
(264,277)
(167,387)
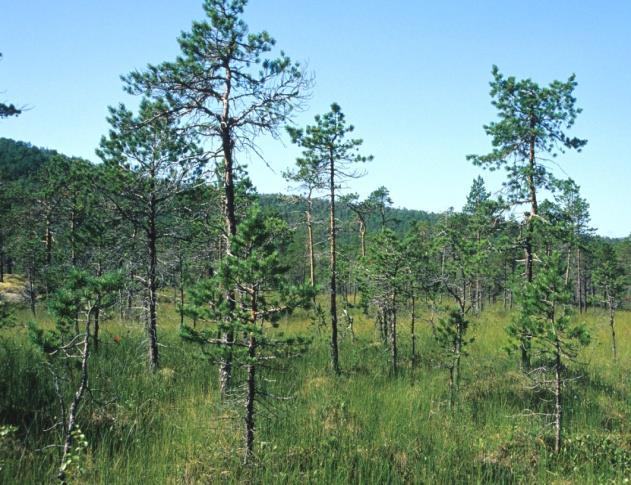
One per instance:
(575,213)
(532,124)
(308,174)
(79,297)
(386,281)
(484,222)
(263,295)
(546,312)
(326,147)
(225,88)
(149,162)
(609,279)
(451,336)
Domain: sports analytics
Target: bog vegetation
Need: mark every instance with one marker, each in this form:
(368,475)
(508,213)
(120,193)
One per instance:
(161,321)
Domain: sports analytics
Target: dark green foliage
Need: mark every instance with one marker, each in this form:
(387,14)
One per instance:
(552,336)
(20,159)
(545,313)
(220,60)
(532,124)
(262,294)
(80,295)
(529,113)
(327,140)
(256,269)
(609,275)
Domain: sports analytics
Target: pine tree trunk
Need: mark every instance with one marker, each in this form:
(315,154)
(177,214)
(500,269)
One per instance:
(526,337)
(95,336)
(612,313)
(152,322)
(335,364)
(225,366)
(311,249)
(76,401)
(97,313)
(579,289)
(393,337)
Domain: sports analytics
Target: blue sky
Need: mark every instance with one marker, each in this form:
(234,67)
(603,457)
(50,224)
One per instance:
(412,76)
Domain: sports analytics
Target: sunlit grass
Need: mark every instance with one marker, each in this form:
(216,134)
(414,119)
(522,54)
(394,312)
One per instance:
(361,427)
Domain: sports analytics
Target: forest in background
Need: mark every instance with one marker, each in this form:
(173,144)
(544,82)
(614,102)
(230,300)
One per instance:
(156,300)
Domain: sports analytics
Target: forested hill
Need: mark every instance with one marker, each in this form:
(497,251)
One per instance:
(291,209)
(21,159)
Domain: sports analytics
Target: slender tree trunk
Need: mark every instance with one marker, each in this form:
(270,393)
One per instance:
(457,363)
(612,314)
(579,289)
(478,286)
(76,401)
(584,287)
(393,337)
(251,393)
(534,208)
(526,338)
(95,336)
(459,337)
(152,322)
(335,363)
(310,247)
(97,313)
(225,366)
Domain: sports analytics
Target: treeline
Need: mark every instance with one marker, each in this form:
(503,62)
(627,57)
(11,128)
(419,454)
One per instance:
(51,203)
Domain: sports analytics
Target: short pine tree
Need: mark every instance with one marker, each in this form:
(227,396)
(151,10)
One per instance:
(263,295)
(545,312)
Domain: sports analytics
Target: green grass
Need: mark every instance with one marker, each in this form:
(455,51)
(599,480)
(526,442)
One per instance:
(361,427)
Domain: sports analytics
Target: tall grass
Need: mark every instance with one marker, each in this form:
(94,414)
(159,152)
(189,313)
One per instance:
(362,427)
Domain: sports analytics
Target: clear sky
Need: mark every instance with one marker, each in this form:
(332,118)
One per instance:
(412,76)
